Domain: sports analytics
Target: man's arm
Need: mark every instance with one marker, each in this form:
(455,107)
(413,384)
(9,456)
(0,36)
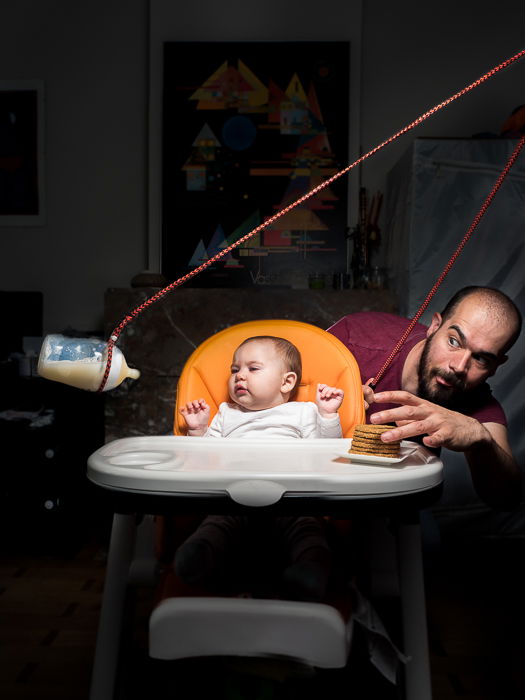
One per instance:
(495,473)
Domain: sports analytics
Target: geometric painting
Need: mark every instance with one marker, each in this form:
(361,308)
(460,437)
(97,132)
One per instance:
(248,128)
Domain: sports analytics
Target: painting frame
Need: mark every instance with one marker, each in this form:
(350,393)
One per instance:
(22,152)
(202,142)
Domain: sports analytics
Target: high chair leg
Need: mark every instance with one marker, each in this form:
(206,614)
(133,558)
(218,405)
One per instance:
(110,625)
(413,608)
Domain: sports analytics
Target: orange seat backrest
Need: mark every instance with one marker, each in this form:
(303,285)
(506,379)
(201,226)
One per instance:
(324,357)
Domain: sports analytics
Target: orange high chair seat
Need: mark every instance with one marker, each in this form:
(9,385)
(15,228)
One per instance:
(324,358)
(316,634)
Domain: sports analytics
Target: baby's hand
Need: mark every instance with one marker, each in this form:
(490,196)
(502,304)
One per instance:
(328,399)
(197,415)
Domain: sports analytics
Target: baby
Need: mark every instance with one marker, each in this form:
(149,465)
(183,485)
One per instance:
(265,375)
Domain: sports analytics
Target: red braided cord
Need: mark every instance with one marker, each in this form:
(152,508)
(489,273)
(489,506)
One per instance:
(452,260)
(161,293)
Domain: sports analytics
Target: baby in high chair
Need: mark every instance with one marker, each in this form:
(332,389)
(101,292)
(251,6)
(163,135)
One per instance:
(265,375)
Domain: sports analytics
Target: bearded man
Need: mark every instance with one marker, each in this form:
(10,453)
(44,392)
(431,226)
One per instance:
(436,390)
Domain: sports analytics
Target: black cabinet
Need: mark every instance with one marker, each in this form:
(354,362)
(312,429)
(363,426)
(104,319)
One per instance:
(47,432)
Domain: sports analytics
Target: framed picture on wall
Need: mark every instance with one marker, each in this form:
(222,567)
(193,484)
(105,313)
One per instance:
(22,153)
(248,128)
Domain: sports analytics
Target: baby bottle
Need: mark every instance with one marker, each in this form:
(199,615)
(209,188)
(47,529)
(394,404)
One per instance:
(81,362)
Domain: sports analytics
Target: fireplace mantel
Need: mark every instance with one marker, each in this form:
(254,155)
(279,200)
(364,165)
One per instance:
(159,340)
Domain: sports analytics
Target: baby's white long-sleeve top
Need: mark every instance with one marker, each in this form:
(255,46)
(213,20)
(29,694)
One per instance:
(296,419)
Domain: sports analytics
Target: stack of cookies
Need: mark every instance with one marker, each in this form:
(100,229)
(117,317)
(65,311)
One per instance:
(367,440)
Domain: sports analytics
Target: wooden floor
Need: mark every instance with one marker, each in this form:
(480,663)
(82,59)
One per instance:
(50,598)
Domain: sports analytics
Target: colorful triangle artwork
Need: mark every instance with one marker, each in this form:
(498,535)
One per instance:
(317,144)
(231,87)
(259,92)
(295,90)
(301,220)
(247,225)
(276,97)
(217,242)
(199,255)
(206,135)
(205,94)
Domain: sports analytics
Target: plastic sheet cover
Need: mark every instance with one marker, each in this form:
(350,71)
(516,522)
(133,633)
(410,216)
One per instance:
(434,193)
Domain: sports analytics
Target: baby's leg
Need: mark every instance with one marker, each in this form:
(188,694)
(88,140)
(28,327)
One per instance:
(309,558)
(202,559)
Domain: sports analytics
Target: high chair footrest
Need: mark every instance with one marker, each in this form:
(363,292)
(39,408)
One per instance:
(313,633)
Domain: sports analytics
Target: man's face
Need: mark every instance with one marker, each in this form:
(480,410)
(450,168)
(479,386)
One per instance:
(460,353)
(444,391)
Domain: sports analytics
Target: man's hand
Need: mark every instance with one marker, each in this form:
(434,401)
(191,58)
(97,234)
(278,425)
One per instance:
(496,475)
(328,399)
(197,415)
(368,394)
(441,426)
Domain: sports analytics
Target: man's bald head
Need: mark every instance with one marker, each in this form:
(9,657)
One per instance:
(496,303)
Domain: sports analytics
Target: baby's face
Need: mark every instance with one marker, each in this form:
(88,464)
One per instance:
(257,376)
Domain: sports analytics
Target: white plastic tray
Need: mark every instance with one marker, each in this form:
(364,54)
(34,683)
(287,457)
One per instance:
(254,472)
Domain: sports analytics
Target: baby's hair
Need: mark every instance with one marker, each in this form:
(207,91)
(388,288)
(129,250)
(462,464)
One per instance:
(287,351)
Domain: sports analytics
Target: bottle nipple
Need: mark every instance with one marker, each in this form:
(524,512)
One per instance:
(120,371)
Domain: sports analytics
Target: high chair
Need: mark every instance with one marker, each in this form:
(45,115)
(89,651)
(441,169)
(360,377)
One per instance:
(314,634)
(172,475)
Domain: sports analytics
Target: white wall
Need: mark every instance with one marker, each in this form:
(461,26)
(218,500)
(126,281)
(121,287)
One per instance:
(417,54)
(92,57)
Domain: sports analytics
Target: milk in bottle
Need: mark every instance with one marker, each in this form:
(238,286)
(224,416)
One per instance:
(81,362)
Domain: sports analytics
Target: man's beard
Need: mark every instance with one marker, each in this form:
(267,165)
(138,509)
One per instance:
(447,396)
